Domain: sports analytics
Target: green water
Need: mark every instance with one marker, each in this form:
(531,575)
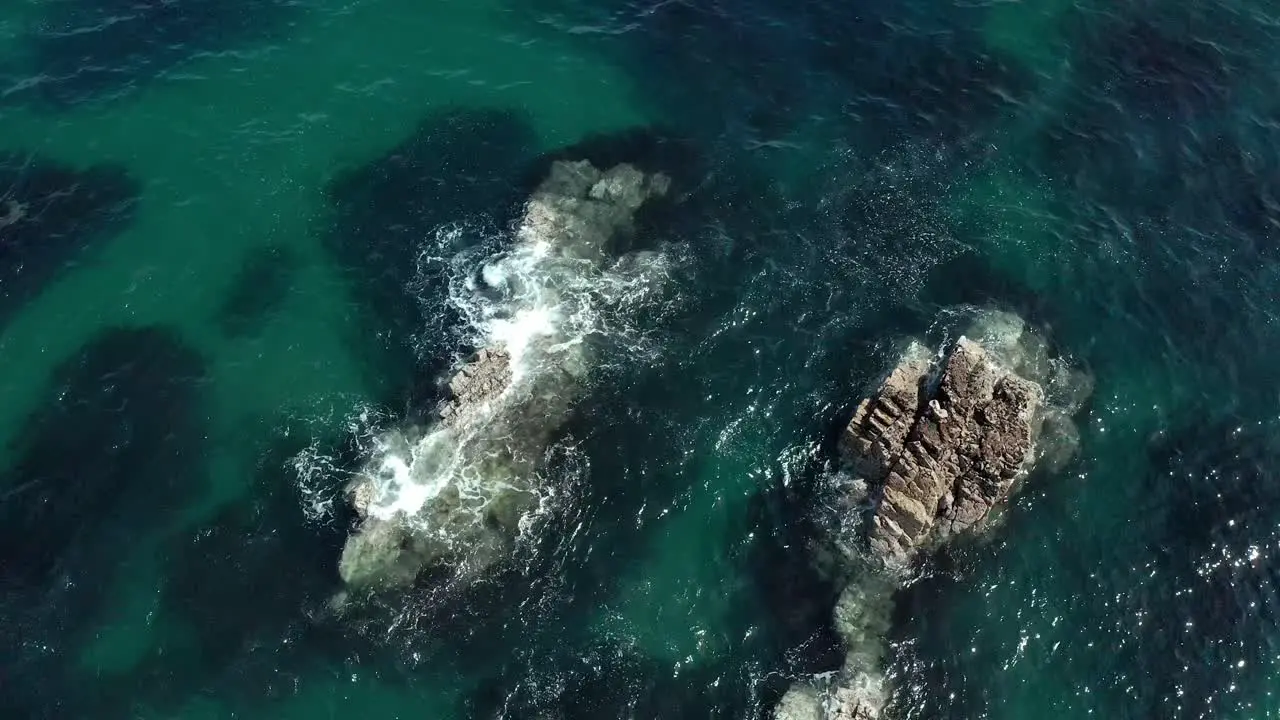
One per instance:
(861,169)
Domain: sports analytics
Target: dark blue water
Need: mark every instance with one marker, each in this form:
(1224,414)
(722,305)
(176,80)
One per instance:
(228,232)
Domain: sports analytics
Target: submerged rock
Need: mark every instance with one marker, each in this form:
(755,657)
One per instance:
(939,445)
(260,287)
(456,494)
(806,702)
(580,209)
(802,702)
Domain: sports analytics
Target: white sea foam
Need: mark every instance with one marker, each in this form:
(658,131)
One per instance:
(316,466)
(549,315)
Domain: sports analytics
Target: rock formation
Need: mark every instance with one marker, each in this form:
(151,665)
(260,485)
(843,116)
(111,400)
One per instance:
(455,495)
(806,702)
(936,446)
(941,452)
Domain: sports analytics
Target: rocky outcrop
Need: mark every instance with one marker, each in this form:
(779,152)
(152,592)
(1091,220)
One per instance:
(54,217)
(941,442)
(858,691)
(455,494)
(802,702)
(942,451)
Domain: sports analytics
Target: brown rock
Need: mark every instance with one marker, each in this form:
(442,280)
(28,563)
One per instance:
(944,452)
(934,449)
(881,423)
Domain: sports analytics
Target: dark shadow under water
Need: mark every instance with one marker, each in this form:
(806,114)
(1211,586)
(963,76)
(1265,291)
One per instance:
(250,586)
(118,439)
(759,72)
(258,290)
(54,217)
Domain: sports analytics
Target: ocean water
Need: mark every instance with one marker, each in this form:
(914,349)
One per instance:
(231,239)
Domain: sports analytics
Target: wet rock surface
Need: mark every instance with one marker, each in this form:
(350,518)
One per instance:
(580,209)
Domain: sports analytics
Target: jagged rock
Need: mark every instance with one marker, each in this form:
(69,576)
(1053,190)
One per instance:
(842,701)
(478,382)
(360,495)
(805,702)
(848,704)
(878,431)
(942,451)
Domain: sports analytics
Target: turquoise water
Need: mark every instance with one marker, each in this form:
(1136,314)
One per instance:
(229,273)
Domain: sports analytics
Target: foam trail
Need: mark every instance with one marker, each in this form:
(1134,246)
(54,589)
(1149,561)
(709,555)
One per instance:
(455,493)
